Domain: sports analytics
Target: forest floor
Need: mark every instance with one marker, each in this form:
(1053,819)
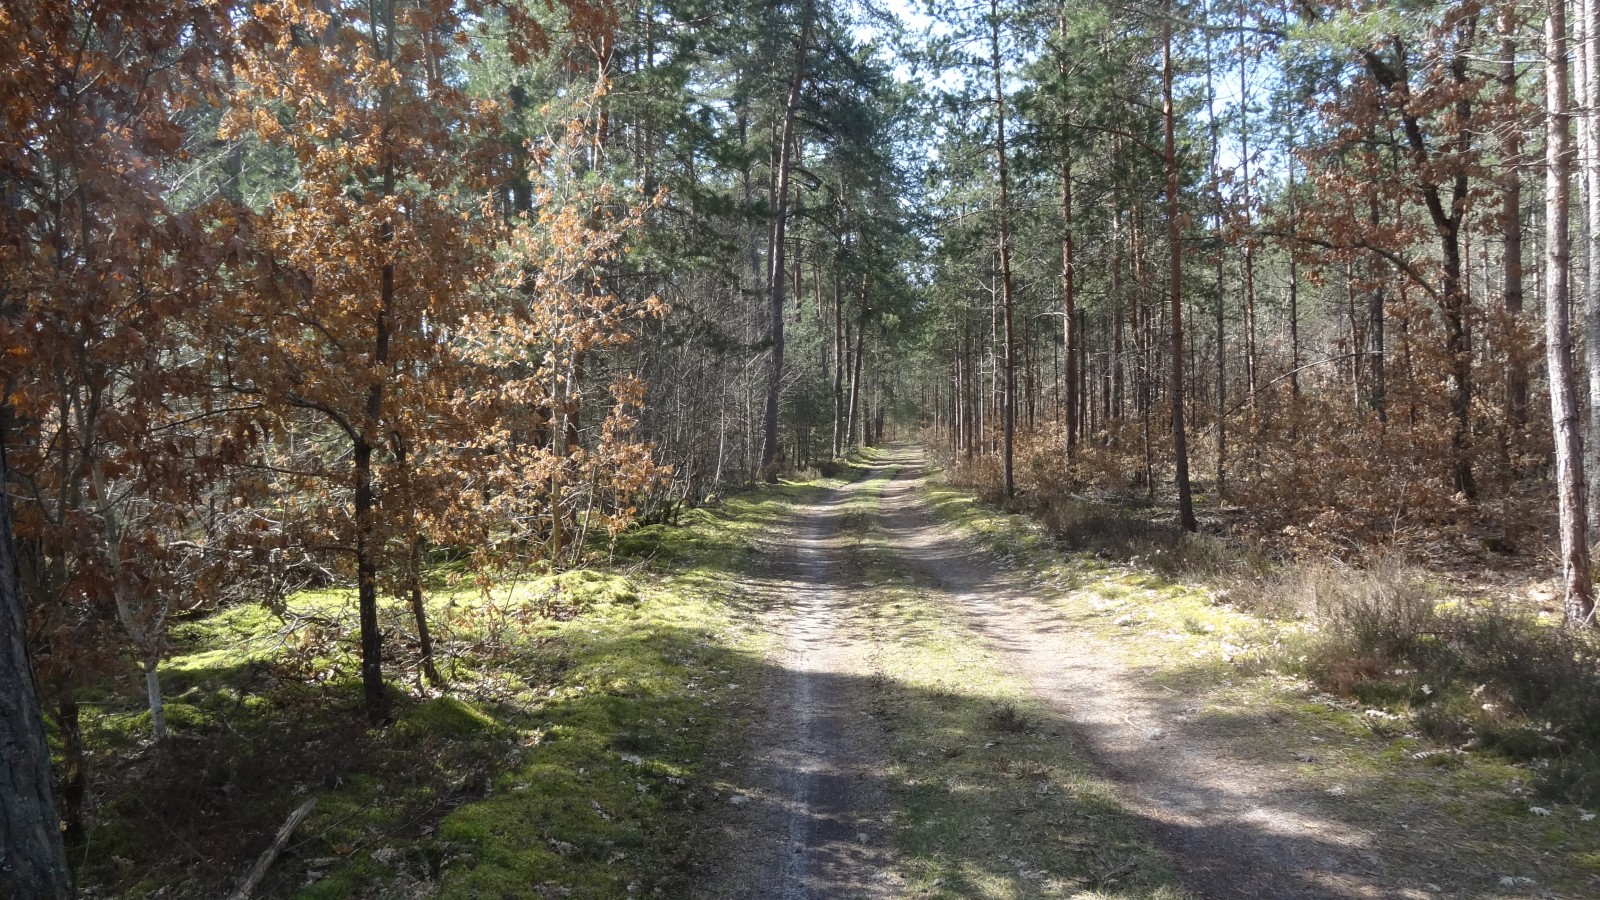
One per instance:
(867,686)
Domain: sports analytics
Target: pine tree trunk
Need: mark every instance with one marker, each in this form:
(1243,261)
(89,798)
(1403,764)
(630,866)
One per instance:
(1376,366)
(1069,300)
(1115,403)
(855,376)
(1221,214)
(1558,338)
(1085,400)
(838,365)
(33,861)
(777,275)
(1251,357)
(1180,449)
(1589,55)
(1511,221)
(1008,401)
(1294,289)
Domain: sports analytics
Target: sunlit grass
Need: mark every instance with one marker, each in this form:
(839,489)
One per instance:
(993,801)
(583,734)
(1241,674)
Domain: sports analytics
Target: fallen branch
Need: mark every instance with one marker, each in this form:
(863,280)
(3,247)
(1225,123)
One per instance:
(259,870)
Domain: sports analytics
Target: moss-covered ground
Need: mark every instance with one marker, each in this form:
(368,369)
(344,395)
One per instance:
(587,719)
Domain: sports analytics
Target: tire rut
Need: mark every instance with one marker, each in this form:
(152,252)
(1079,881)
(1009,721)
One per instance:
(1233,826)
(813,823)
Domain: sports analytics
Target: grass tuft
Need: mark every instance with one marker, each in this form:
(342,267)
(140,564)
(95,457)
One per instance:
(1006,718)
(1482,675)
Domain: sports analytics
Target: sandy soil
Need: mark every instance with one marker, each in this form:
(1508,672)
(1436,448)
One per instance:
(1235,827)
(812,826)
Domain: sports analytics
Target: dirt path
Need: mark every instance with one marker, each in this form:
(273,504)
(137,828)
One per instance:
(1235,827)
(811,827)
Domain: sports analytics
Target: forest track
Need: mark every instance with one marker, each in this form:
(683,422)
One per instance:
(813,826)
(815,822)
(1233,825)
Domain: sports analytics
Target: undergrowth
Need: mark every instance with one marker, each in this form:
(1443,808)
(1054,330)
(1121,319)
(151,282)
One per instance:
(1450,730)
(1472,674)
(570,754)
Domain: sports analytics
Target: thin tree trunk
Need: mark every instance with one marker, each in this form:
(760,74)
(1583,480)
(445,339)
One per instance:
(1558,338)
(1251,357)
(151,665)
(1589,153)
(1115,405)
(777,275)
(1447,215)
(1008,413)
(74,769)
(838,364)
(1069,300)
(1085,404)
(419,612)
(955,410)
(855,375)
(1355,335)
(375,697)
(1216,197)
(1378,376)
(1294,288)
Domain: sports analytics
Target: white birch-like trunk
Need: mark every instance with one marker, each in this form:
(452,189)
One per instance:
(1588,56)
(1564,413)
(145,633)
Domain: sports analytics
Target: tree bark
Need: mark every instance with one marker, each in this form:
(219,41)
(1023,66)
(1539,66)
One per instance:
(1294,287)
(1180,448)
(1008,398)
(419,613)
(373,694)
(74,782)
(1069,300)
(1221,214)
(777,275)
(1115,399)
(264,862)
(1251,357)
(839,438)
(33,861)
(855,375)
(1589,55)
(375,697)
(1511,224)
(1069,304)
(1558,338)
